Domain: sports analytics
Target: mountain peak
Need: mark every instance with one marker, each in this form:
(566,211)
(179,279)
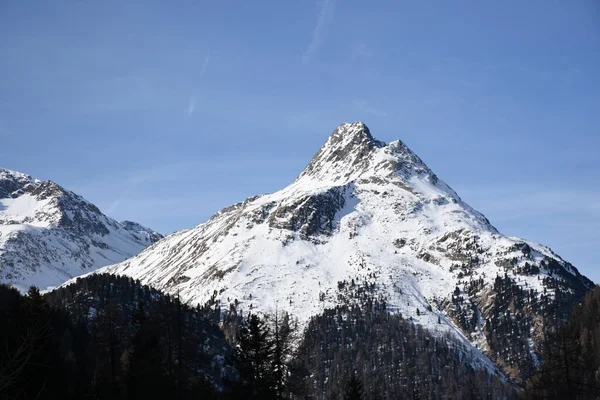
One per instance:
(352,153)
(353,129)
(345,154)
(352,135)
(356,134)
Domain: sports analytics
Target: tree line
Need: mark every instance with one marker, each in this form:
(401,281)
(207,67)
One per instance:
(109,337)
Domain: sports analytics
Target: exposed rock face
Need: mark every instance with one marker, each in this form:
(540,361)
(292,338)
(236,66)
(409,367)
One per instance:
(311,215)
(49,234)
(365,216)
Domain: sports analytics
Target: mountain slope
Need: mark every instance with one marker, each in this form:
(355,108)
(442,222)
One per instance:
(365,216)
(49,234)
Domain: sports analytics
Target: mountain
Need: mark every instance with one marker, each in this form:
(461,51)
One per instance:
(49,234)
(366,218)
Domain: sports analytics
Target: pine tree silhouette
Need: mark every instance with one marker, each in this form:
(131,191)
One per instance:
(256,355)
(354,389)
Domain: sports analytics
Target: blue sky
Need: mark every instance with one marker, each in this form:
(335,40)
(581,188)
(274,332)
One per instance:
(164,112)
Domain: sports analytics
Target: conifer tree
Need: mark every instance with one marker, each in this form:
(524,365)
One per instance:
(255,351)
(354,389)
(107,332)
(282,353)
(146,378)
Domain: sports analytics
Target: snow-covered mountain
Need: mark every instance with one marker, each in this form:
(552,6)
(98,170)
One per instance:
(49,234)
(365,216)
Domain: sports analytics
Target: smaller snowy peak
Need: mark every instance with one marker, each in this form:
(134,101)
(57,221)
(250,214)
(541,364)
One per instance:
(47,203)
(49,233)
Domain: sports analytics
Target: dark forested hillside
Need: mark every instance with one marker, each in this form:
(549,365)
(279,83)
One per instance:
(571,356)
(389,358)
(33,353)
(132,325)
(109,337)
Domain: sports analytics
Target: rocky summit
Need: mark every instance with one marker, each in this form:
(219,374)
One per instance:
(366,217)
